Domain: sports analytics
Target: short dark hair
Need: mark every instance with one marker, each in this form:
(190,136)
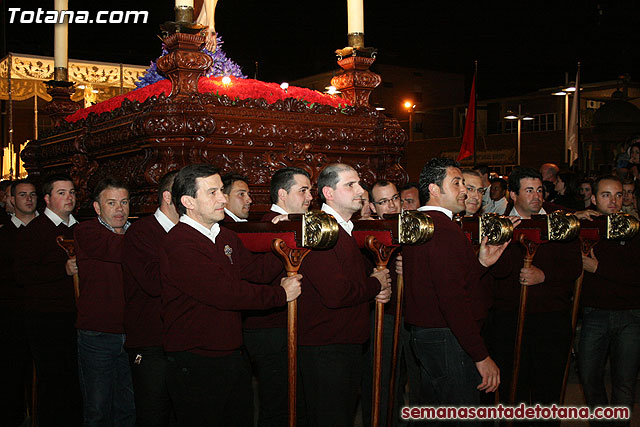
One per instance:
(165,184)
(571,186)
(184,183)
(473,172)
(18,182)
(547,190)
(501,181)
(482,169)
(434,172)
(229,178)
(284,179)
(409,186)
(329,177)
(5,184)
(108,182)
(626,181)
(47,186)
(379,183)
(586,181)
(520,173)
(599,179)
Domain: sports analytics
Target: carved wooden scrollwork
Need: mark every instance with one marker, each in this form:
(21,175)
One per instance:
(185,63)
(140,142)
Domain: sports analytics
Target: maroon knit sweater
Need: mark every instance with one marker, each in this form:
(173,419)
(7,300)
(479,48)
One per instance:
(40,267)
(11,295)
(99,258)
(443,288)
(203,290)
(616,283)
(561,263)
(141,279)
(336,292)
(275,317)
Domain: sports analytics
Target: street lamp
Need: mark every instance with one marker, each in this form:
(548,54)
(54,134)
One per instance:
(410,107)
(566,92)
(519,117)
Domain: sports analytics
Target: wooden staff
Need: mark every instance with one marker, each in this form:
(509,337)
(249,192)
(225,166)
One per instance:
(394,348)
(382,253)
(67,246)
(292,258)
(585,248)
(531,247)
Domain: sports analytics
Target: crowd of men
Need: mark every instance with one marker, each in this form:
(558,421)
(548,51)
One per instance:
(173,317)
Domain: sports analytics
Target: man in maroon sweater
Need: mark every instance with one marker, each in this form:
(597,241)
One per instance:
(444,296)
(238,199)
(334,308)
(611,309)
(15,360)
(45,271)
(142,321)
(547,330)
(385,199)
(265,331)
(203,271)
(105,377)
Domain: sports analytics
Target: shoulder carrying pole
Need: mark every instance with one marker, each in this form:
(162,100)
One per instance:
(292,258)
(290,240)
(531,248)
(382,254)
(67,246)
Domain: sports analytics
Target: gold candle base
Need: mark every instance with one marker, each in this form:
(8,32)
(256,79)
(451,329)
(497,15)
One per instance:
(355,40)
(184,14)
(60,74)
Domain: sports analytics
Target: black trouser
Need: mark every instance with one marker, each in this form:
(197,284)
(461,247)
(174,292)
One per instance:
(53,343)
(149,372)
(210,391)
(405,363)
(330,380)
(15,366)
(545,346)
(267,350)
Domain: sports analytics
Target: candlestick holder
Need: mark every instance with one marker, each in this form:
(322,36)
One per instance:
(184,23)
(61,104)
(185,63)
(356,81)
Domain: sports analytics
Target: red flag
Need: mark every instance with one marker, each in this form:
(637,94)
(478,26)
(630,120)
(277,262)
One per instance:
(469,136)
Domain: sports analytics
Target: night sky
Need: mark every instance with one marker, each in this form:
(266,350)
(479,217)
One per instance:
(521,46)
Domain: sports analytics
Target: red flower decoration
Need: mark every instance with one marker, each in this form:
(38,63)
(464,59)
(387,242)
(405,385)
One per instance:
(237,89)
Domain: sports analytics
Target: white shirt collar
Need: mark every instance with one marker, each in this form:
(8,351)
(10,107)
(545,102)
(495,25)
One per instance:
(57,220)
(445,211)
(277,209)
(514,212)
(234,216)
(346,225)
(164,220)
(210,234)
(18,222)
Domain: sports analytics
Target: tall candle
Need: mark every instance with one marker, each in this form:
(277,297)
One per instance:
(184,3)
(355,15)
(60,38)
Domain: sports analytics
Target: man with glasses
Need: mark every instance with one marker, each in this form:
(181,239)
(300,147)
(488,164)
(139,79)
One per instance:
(475,192)
(385,198)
